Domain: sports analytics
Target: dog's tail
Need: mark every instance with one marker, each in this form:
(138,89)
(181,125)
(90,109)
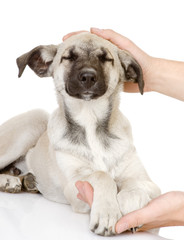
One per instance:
(19,134)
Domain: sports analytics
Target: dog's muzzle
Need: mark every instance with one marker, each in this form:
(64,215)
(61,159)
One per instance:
(86,85)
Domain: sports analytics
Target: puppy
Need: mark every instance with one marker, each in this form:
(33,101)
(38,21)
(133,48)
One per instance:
(86,138)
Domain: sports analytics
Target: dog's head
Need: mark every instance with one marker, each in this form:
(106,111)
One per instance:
(84,66)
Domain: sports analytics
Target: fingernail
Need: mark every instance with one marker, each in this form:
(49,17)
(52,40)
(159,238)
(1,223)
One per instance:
(97,30)
(121,227)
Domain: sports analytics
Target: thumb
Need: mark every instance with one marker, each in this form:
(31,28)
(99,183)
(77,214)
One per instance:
(132,220)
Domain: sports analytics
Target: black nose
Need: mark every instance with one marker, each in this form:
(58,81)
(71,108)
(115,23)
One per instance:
(88,79)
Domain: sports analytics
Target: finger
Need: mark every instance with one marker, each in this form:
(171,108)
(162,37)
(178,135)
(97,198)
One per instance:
(86,192)
(80,187)
(72,33)
(116,38)
(79,196)
(133,219)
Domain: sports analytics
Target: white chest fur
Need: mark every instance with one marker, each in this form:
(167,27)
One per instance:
(88,132)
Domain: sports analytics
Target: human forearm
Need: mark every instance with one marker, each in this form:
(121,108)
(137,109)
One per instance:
(167,77)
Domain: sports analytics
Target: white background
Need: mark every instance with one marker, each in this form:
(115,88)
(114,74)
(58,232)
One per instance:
(155,26)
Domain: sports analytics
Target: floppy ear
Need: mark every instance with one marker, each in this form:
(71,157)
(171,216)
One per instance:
(133,71)
(38,59)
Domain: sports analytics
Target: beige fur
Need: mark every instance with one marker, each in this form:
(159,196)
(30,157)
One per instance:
(120,182)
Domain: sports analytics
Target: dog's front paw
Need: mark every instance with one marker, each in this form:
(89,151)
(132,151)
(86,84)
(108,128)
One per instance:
(103,218)
(130,201)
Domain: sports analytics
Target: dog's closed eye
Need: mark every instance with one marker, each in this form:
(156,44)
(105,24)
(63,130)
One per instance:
(104,57)
(71,56)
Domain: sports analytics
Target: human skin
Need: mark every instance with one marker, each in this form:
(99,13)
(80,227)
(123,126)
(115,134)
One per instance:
(166,77)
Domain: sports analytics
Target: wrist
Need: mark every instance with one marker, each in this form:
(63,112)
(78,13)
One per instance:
(179,196)
(166,77)
(175,214)
(151,74)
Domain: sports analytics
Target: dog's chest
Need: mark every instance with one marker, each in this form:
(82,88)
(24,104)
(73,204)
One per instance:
(102,147)
(89,137)
(94,144)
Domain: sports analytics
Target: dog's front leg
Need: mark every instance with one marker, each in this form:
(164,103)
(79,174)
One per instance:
(105,210)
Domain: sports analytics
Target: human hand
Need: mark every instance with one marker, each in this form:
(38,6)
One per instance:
(124,43)
(166,210)
(85,192)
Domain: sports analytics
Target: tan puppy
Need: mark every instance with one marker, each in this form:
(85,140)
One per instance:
(86,138)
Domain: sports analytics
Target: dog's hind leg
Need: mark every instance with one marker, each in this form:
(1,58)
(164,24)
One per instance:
(16,184)
(10,183)
(19,134)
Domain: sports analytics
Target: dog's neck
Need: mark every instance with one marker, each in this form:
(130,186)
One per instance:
(87,113)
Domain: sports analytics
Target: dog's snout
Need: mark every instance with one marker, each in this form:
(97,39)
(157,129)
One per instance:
(88,78)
